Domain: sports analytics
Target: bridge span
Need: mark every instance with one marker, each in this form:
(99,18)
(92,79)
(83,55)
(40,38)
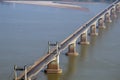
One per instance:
(50,62)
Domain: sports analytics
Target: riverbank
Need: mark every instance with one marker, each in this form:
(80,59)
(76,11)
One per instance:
(50,4)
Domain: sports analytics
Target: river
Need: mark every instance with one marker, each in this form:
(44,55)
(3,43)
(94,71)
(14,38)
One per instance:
(26,29)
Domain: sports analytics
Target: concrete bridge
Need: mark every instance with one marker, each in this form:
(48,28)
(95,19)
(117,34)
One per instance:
(50,62)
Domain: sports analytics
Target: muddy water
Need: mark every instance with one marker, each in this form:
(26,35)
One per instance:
(25,30)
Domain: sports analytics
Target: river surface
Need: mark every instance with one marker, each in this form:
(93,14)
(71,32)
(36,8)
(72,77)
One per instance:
(26,29)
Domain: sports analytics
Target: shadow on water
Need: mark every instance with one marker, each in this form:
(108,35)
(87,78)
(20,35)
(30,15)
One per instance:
(86,50)
(71,67)
(92,45)
(53,76)
(93,41)
(83,52)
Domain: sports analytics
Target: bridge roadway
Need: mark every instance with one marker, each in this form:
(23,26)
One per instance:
(40,64)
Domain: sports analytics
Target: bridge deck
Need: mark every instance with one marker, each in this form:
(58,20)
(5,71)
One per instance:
(41,63)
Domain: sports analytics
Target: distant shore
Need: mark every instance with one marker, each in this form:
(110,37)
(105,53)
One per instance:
(50,4)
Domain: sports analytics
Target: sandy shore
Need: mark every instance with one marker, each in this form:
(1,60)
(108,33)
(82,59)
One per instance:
(50,4)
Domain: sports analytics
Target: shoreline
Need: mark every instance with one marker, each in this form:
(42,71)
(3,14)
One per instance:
(50,4)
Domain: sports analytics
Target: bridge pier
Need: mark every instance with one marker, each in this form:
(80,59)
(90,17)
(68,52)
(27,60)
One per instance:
(93,30)
(101,24)
(113,13)
(83,39)
(53,67)
(72,50)
(107,18)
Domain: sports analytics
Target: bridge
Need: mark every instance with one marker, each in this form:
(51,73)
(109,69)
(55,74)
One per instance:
(50,62)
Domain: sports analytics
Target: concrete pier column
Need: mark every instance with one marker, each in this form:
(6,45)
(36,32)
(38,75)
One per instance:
(107,18)
(113,13)
(53,66)
(49,47)
(117,8)
(15,73)
(93,30)
(101,23)
(72,50)
(83,39)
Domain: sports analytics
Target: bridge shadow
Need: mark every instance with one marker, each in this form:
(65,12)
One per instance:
(83,52)
(53,76)
(71,67)
(92,41)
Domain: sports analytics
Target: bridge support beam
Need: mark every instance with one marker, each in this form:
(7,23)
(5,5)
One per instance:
(113,13)
(93,30)
(101,24)
(83,39)
(72,50)
(107,18)
(53,67)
